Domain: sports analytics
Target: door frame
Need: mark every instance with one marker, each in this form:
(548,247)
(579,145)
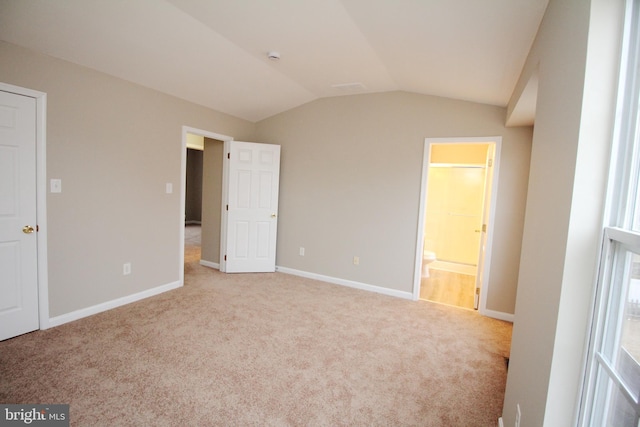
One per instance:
(41,197)
(183,191)
(486,263)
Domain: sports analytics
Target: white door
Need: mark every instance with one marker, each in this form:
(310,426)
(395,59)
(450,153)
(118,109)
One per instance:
(486,214)
(253,177)
(18,260)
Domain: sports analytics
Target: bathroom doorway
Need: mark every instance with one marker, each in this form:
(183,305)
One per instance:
(457,193)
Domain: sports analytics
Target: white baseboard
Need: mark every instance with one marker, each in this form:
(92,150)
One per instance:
(210,264)
(344,282)
(500,423)
(99,308)
(507,317)
(371,288)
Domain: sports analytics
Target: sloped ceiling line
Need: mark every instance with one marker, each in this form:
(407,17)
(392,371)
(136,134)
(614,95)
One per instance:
(213,53)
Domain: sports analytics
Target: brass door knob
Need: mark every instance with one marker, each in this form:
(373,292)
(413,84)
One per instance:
(273,215)
(27,229)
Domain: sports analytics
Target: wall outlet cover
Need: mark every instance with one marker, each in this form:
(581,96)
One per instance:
(56,185)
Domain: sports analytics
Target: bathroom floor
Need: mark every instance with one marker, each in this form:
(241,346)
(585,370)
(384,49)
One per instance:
(450,288)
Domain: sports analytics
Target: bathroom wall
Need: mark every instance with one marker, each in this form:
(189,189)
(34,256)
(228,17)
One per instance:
(455,201)
(472,154)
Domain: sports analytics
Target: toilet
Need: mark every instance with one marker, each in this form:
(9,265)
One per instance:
(427,258)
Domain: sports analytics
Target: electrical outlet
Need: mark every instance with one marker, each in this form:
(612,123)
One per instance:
(356,260)
(301,251)
(126,268)
(56,185)
(518,415)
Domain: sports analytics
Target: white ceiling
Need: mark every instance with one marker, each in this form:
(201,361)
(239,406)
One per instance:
(213,52)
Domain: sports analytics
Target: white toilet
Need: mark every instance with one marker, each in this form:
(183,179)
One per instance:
(427,258)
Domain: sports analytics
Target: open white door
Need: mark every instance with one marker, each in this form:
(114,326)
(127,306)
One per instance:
(486,215)
(250,216)
(18,245)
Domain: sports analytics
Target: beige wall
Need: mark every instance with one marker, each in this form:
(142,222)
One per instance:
(576,55)
(211,200)
(114,145)
(351,178)
(350,185)
(350,181)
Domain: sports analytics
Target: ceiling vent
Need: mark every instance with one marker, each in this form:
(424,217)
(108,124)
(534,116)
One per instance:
(350,87)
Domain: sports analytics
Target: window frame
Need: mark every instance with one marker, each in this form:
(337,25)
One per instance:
(621,235)
(617,241)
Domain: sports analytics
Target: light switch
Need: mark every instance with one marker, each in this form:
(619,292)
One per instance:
(169,188)
(56,185)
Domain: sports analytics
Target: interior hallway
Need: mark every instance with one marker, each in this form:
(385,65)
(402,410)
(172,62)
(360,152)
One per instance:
(192,243)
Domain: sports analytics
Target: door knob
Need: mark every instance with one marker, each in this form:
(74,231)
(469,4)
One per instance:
(27,229)
(273,215)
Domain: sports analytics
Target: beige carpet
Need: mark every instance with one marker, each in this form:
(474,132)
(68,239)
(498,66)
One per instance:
(265,350)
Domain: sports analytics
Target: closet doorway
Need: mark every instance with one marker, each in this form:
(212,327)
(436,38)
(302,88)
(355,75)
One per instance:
(456,218)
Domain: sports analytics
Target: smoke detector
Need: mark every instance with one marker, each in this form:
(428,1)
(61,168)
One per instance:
(273,55)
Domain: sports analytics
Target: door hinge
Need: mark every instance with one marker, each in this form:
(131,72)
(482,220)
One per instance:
(225,257)
(490,162)
(228,155)
(227,207)
(37,228)
(477,291)
(484,228)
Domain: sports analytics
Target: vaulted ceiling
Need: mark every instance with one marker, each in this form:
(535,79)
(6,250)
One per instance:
(214,52)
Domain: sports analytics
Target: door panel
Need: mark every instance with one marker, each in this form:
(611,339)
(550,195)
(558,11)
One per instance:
(18,261)
(454,213)
(253,179)
(486,213)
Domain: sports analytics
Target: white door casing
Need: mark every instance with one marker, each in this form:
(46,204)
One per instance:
(491,197)
(19,306)
(252,176)
(183,189)
(489,214)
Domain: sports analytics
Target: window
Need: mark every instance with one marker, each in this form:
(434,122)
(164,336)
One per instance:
(611,396)
(615,390)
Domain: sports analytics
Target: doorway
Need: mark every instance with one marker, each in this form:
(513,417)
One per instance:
(193,199)
(200,240)
(458,189)
(243,218)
